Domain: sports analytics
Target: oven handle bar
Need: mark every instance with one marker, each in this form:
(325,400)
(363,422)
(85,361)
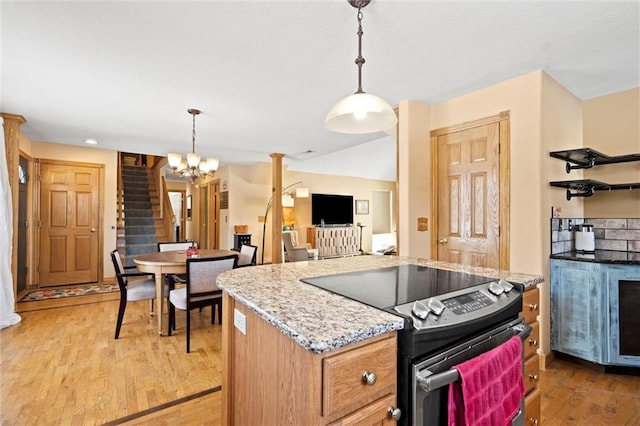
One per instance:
(445,378)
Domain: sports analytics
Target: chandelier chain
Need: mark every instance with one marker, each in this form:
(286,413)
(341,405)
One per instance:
(360,60)
(193,135)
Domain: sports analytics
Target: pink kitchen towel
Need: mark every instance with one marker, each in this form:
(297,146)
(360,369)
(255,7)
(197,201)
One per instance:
(490,387)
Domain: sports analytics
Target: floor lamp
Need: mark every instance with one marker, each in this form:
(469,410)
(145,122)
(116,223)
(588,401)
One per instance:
(300,193)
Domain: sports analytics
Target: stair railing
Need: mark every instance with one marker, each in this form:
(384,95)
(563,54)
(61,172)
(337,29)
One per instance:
(120,194)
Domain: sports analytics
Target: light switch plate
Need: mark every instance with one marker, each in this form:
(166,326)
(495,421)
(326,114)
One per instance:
(240,321)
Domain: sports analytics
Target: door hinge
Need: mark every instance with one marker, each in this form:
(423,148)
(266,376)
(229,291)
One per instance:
(498,149)
(499,230)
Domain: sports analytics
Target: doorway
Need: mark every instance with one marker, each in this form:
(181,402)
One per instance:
(470,192)
(23,223)
(179,212)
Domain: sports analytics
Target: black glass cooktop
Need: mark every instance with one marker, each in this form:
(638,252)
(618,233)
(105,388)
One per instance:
(385,288)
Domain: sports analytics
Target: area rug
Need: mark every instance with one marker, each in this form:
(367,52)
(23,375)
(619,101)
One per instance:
(58,293)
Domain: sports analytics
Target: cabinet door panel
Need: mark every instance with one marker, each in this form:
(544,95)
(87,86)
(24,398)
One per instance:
(578,323)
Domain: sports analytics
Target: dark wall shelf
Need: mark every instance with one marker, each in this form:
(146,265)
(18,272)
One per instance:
(585,158)
(587,187)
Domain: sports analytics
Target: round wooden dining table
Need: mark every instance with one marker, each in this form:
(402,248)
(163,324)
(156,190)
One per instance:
(170,262)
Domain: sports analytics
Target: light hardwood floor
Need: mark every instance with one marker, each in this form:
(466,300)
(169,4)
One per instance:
(61,366)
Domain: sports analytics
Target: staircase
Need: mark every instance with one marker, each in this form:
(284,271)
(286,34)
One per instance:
(138,234)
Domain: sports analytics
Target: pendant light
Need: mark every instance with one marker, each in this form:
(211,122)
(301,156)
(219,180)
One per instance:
(192,168)
(360,112)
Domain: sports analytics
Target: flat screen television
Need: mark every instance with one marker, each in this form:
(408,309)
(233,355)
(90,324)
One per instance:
(332,209)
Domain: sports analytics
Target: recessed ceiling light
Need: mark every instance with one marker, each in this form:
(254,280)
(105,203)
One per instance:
(91,141)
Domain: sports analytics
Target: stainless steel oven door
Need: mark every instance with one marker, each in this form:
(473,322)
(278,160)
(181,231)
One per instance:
(432,376)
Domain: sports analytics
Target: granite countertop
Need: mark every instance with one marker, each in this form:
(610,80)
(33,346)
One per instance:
(601,256)
(319,320)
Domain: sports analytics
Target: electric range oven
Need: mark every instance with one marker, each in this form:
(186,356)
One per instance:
(450,317)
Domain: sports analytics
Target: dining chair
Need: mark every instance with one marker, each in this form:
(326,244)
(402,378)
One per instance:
(132,290)
(201,289)
(174,246)
(248,254)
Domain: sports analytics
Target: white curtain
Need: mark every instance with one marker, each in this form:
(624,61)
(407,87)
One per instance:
(7,314)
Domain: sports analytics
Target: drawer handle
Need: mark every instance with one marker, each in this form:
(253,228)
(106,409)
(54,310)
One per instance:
(533,342)
(533,377)
(369,378)
(533,421)
(394,413)
(533,306)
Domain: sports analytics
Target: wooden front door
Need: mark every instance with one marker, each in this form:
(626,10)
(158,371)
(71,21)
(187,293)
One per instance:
(471,206)
(70,223)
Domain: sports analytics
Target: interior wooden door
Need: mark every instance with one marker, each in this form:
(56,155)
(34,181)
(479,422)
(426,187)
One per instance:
(70,224)
(469,202)
(203,198)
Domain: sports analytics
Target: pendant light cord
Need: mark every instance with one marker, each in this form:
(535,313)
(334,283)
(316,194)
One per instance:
(360,60)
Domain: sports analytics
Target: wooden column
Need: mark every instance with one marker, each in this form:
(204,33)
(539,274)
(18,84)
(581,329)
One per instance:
(276,208)
(12,124)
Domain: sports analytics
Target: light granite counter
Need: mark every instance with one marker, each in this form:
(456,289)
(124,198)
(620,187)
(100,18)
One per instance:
(319,320)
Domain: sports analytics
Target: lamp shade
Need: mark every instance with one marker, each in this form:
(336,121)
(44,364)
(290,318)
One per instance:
(174,160)
(361,113)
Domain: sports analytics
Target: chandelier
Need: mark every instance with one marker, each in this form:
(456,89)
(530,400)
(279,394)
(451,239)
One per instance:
(360,112)
(192,168)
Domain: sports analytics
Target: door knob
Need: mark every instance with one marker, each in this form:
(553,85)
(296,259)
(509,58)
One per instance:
(93,229)
(443,241)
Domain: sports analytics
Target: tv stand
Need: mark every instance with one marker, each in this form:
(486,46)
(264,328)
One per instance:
(334,241)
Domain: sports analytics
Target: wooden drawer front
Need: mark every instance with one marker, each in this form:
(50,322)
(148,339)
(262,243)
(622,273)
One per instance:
(532,342)
(531,373)
(376,413)
(532,409)
(343,387)
(530,305)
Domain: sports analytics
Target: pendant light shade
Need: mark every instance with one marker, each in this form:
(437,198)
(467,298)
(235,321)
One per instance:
(361,113)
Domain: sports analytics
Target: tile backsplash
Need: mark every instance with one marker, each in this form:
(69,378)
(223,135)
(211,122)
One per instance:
(610,234)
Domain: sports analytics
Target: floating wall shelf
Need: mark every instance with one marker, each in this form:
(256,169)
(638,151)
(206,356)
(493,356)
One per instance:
(585,158)
(587,187)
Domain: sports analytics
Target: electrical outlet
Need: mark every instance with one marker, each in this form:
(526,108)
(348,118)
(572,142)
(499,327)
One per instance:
(240,321)
(423,224)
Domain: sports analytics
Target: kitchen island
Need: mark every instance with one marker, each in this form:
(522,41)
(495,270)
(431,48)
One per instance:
(290,349)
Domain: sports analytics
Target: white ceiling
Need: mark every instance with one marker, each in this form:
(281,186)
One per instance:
(265,73)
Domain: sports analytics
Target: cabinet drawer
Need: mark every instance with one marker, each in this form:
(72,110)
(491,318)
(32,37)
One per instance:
(531,373)
(530,305)
(343,387)
(532,342)
(532,409)
(376,413)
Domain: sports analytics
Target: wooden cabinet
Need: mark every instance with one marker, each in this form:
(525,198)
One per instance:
(335,241)
(578,310)
(268,378)
(532,408)
(530,312)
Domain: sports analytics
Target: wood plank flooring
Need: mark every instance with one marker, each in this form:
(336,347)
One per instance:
(61,366)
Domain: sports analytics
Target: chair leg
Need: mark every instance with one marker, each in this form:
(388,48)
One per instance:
(188,328)
(151,306)
(172,318)
(121,308)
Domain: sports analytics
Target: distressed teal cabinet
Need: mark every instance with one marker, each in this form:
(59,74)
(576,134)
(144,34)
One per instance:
(579,310)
